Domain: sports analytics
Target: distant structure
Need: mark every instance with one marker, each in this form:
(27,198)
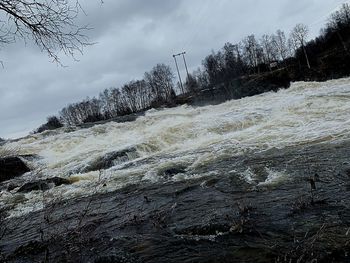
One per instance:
(273,64)
(177,68)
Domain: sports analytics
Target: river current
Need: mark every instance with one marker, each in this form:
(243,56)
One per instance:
(181,139)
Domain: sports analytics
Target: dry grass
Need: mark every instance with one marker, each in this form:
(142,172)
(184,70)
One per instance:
(305,249)
(243,223)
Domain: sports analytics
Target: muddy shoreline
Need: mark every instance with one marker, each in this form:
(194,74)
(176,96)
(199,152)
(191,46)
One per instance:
(215,219)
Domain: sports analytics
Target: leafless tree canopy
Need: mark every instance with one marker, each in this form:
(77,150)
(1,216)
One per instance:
(154,90)
(246,68)
(51,24)
(299,34)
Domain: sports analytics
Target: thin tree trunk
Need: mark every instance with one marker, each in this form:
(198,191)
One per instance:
(307,58)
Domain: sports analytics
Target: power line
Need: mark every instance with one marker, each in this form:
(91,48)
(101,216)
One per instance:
(199,23)
(183,56)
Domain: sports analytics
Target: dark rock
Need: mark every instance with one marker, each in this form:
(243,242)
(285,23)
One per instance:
(111,159)
(11,167)
(168,173)
(225,221)
(260,173)
(146,199)
(43,185)
(11,186)
(312,183)
(29,157)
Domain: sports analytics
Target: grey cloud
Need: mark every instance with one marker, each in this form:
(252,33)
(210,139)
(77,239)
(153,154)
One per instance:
(131,37)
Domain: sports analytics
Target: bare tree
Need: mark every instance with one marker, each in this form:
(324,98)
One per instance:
(299,34)
(266,43)
(214,65)
(253,52)
(160,82)
(137,95)
(339,20)
(232,60)
(340,17)
(280,44)
(50,24)
(52,123)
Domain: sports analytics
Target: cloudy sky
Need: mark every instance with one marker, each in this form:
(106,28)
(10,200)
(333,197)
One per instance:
(131,36)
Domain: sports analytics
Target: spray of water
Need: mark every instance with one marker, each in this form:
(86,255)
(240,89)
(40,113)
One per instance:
(186,137)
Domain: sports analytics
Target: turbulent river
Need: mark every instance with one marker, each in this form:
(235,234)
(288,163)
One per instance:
(184,139)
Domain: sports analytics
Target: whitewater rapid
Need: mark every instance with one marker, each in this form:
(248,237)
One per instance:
(185,136)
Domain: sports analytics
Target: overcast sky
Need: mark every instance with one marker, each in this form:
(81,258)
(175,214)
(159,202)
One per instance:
(131,37)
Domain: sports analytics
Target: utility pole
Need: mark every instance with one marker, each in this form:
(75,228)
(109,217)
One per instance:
(183,56)
(178,72)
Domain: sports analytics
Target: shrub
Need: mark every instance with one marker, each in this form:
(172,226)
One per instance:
(94,118)
(52,123)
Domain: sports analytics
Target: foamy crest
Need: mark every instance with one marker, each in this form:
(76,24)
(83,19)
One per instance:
(191,136)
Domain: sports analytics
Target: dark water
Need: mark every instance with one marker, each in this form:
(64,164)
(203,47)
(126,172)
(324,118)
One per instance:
(220,218)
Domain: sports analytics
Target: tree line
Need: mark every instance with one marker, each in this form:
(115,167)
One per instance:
(302,59)
(325,57)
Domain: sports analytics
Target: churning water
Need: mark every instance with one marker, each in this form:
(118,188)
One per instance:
(184,138)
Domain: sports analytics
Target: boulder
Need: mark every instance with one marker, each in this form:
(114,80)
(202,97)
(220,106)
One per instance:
(11,167)
(111,159)
(43,185)
(170,172)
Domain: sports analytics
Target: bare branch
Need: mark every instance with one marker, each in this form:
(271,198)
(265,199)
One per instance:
(50,24)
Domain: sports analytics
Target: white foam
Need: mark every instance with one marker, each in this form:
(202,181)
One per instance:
(196,136)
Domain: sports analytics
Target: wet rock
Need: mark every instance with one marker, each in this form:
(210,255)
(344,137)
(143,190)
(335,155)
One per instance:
(11,167)
(111,159)
(170,172)
(11,186)
(43,185)
(205,230)
(2,141)
(225,221)
(30,157)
